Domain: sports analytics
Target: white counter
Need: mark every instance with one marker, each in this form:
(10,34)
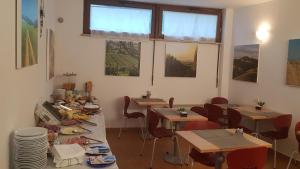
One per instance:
(98,132)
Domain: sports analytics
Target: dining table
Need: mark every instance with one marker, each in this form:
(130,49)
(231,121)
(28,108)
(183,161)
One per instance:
(250,112)
(220,141)
(173,115)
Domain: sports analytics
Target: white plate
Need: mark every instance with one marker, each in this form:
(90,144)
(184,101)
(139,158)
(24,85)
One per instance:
(31,132)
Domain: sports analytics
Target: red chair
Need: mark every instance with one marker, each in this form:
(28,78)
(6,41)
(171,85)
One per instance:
(203,158)
(171,102)
(247,158)
(234,120)
(200,110)
(297,133)
(219,100)
(282,125)
(133,115)
(214,113)
(157,133)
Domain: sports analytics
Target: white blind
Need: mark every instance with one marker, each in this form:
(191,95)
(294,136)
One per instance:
(116,20)
(189,26)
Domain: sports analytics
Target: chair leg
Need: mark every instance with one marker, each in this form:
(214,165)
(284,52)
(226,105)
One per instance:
(291,158)
(143,146)
(153,150)
(192,163)
(275,153)
(142,128)
(121,128)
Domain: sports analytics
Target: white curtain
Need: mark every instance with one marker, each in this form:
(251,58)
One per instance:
(189,26)
(120,21)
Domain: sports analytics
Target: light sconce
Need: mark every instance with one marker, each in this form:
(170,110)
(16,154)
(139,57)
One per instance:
(263,32)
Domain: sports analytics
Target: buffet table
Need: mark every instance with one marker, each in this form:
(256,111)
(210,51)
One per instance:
(98,132)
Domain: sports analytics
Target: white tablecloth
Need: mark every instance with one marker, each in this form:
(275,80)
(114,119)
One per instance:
(98,132)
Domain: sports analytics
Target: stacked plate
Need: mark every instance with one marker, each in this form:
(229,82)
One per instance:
(30,148)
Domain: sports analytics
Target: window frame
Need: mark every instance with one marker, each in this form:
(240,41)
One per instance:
(188,9)
(130,4)
(157,14)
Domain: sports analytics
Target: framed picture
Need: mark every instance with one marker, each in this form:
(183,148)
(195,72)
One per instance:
(122,58)
(293,64)
(27,33)
(181,59)
(50,54)
(245,62)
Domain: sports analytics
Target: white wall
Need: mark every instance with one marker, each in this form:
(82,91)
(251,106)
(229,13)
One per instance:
(283,16)
(20,89)
(86,57)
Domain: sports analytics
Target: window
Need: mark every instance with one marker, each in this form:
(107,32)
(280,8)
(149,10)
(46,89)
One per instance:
(152,20)
(118,18)
(190,23)
(111,19)
(189,26)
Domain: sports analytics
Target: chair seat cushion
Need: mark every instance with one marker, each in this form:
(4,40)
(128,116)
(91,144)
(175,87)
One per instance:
(203,158)
(162,132)
(135,115)
(273,135)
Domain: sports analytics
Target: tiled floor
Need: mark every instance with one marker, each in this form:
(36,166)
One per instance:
(127,150)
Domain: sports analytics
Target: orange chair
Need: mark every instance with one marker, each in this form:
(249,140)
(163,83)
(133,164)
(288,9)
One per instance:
(297,133)
(200,110)
(214,113)
(247,158)
(282,125)
(171,102)
(234,120)
(133,115)
(155,131)
(219,100)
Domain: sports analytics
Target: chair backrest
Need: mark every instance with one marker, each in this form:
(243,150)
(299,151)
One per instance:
(297,130)
(214,113)
(171,102)
(282,124)
(234,118)
(219,100)
(247,158)
(126,104)
(200,125)
(153,120)
(199,110)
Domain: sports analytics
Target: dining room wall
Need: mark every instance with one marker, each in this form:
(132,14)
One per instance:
(85,56)
(20,89)
(282,16)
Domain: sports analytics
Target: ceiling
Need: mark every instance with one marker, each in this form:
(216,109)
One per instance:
(209,3)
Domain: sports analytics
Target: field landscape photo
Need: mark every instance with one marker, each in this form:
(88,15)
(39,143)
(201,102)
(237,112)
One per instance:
(181,59)
(293,65)
(245,63)
(29,35)
(122,58)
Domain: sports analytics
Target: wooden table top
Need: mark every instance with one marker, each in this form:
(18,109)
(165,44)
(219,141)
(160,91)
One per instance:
(205,146)
(150,102)
(250,111)
(174,116)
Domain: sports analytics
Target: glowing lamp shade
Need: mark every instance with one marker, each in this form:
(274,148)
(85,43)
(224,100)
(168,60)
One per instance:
(263,32)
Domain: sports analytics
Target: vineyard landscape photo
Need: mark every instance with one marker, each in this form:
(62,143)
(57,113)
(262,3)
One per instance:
(122,58)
